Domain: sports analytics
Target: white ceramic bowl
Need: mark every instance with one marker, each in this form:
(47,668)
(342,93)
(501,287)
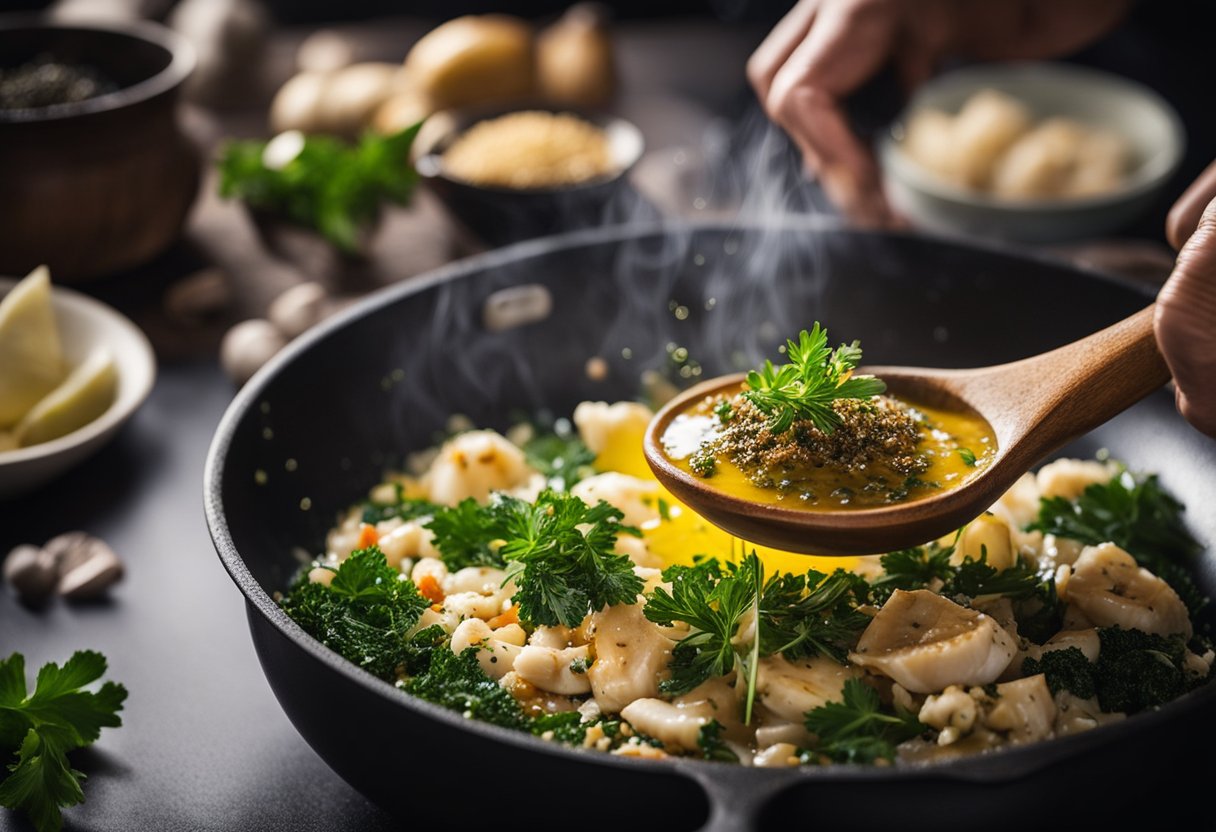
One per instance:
(1130,109)
(83,323)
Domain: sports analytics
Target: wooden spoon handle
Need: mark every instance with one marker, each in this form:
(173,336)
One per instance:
(1054,397)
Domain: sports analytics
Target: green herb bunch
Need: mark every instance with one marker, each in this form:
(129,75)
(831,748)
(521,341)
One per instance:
(330,186)
(559,550)
(40,728)
(804,388)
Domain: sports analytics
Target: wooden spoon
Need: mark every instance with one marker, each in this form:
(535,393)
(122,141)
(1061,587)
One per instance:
(1034,406)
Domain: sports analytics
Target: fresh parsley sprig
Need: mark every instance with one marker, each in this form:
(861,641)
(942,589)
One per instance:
(365,614)
(712,601)
(559,550)
(798,616)
(858,729)
(804,388)
(469,534)
(813,614)
(561,553)
(917,568)
(1137,515)
(329,186)
(40,728)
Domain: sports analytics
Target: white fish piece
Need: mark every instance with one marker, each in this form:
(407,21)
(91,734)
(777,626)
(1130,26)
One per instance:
(1112,590)
(926,642)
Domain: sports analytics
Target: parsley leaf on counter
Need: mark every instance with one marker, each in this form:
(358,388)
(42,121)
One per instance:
(1137,515)
(805,388)
(561,553)
(366,613)
(42,727)
(858,729)
(329,185)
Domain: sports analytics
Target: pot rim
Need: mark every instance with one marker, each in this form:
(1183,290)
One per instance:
(1003,765)
(182,60)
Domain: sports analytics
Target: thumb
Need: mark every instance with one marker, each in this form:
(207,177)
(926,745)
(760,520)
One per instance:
(1185,324)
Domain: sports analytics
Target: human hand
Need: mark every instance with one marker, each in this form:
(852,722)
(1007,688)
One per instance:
(1185,322)
(823,50)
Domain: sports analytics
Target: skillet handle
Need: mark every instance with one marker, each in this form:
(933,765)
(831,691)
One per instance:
(737,795)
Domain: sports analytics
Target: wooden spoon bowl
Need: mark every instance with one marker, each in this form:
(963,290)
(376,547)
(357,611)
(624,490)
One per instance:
(1034,407)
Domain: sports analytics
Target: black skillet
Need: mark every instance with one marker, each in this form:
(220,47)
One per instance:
(315,429)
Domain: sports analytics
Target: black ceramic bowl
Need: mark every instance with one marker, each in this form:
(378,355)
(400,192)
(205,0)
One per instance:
(103,184)
(315,429)
(504,215)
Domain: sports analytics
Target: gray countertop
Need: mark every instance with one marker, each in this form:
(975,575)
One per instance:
(204,744)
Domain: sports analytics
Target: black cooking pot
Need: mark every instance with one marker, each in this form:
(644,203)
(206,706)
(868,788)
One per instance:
(510,332)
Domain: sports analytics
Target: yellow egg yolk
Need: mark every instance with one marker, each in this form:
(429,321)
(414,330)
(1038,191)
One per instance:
(679,533)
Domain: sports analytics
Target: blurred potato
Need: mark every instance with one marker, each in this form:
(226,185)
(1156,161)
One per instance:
(401,110)
(993,145)
(1040,163)
(340,102)
(473,59)
(986,126)
(574,60)
(929,140)
(1102,164)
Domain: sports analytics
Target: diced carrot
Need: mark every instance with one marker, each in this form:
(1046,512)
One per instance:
(430,589)
(368,536)
(511,616)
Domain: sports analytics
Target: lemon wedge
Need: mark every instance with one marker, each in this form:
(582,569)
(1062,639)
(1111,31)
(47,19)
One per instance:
(31,358)
(83,396)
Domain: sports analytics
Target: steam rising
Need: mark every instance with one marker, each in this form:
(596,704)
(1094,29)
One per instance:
(665,298)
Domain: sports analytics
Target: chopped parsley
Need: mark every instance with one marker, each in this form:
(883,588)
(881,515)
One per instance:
(712,602)
(365,614)
(458,683)
(804,388)
(39,729)
(713,747)
(920,567)
(812,614)
(974,578)
(561,553)
(1138,516)
(1065,670)
(859,729)
(469,534)
(567,727)
(402,508)
(1135,670)
(724,411)
(562,458)
(703,464)
(967,456)
(559,550)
